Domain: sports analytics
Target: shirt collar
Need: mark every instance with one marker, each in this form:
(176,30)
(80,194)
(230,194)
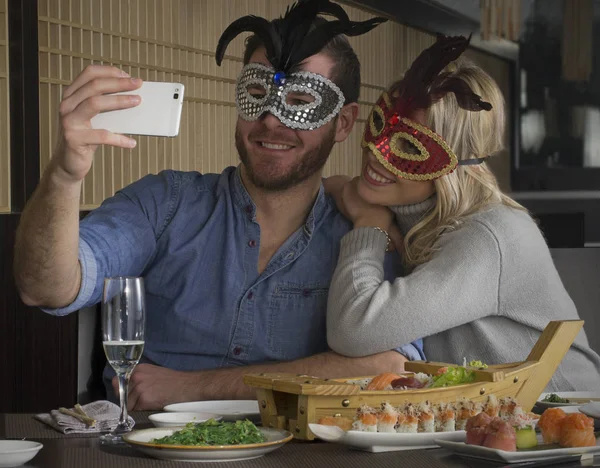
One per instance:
(244,201)
(241,196)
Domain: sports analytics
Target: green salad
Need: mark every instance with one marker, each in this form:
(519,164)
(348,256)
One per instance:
(213,432)
(449,376)
(554,398)
(453,376)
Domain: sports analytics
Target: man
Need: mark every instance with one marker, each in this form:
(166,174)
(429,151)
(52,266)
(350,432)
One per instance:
(236,265)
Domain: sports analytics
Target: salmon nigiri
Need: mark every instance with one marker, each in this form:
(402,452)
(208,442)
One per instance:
(577,430)
(382,381)
(550,423)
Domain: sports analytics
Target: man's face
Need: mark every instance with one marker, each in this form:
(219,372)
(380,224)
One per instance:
(275,157)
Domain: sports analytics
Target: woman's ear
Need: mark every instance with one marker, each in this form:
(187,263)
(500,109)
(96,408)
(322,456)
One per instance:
(345,121)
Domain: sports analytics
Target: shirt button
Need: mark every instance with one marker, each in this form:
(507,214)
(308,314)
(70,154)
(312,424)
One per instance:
(306,292)
(237,350)
(252,243)
(248,208)
(250,295)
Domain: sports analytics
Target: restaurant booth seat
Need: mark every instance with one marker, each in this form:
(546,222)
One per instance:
(579,270)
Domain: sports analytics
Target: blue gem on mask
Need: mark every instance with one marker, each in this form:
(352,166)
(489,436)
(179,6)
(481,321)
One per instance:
(279,78)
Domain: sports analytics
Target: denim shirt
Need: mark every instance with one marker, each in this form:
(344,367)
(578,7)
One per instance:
(195,240)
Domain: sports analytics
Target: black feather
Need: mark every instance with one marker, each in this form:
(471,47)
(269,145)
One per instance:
(298,34)
(294,26)
(358,28)
(415,86)
(259,26)
(334,9)
(465,97)
(316,40)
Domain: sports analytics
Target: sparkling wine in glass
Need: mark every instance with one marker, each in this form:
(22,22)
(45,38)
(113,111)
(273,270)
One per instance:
(123,320)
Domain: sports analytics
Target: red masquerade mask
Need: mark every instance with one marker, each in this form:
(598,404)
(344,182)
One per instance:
(404,147)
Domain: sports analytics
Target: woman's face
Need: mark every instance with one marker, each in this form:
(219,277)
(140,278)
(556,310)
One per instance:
(378,186)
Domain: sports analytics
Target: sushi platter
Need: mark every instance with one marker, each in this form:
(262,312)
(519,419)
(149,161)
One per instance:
(293,402)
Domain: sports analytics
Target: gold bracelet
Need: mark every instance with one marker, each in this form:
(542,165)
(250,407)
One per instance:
(387,236)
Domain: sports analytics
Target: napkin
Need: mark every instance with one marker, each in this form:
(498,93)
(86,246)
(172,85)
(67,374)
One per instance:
(104,412)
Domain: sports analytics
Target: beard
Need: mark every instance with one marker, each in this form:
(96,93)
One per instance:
(273,178)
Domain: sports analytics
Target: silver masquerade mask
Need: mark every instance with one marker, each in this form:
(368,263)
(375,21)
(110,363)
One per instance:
(301,100)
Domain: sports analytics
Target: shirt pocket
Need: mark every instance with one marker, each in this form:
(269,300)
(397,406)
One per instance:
(296,326)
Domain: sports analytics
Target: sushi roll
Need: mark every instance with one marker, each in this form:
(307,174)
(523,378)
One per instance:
(387,418)
(366,419)
(445,418)
(549,424)
(492,407)
(510,409)
(465,409)
(408,421)
(426,417)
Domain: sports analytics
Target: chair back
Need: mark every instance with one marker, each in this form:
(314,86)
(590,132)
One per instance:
(579,270)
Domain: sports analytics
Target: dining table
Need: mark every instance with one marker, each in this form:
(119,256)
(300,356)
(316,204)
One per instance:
(86,451)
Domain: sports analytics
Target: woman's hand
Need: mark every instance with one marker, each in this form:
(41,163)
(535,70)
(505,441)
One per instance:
(344,191)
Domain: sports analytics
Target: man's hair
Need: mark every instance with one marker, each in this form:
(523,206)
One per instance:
(346,67)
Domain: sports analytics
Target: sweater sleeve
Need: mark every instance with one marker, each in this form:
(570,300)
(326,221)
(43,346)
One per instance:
(367,315)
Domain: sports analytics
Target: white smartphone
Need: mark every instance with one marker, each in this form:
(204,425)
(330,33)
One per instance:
(159,113)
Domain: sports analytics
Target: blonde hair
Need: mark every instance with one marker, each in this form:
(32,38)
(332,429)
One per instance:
(471,188)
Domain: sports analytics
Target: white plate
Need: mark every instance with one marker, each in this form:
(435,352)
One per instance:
(537,454)
(17,452)
(592,410)
(571,409)
(229,410)
(180,419)
(575,398)
(382,441)
(141,440)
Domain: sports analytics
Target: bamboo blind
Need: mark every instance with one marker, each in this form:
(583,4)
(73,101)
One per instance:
(577,40)
(174,40)
(4,112)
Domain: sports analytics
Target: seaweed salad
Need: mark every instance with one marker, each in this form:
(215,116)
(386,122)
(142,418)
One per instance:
(213,432)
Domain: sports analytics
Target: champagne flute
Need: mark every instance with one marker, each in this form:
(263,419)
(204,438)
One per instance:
(123,320)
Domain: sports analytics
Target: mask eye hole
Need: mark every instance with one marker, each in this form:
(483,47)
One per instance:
(377,121)
(409,148)
(406,146)
(295,98)
(256,91)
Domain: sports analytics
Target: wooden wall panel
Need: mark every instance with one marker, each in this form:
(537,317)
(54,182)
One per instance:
(4,112)
(174,40)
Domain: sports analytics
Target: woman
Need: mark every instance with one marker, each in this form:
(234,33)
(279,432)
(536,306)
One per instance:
(480,282)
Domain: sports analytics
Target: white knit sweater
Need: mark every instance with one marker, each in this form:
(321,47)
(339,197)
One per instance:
(486,294)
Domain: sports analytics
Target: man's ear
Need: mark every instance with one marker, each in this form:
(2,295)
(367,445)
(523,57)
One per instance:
(345,121)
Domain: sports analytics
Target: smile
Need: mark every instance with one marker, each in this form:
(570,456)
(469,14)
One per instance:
(275,146)
(375,178)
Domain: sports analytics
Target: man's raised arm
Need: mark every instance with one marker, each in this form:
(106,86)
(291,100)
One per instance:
(47,269)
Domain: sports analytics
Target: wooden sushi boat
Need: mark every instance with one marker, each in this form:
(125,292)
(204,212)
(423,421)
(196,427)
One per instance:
(291,401)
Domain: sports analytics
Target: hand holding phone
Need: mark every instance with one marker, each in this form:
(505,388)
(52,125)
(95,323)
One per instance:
(158,114)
